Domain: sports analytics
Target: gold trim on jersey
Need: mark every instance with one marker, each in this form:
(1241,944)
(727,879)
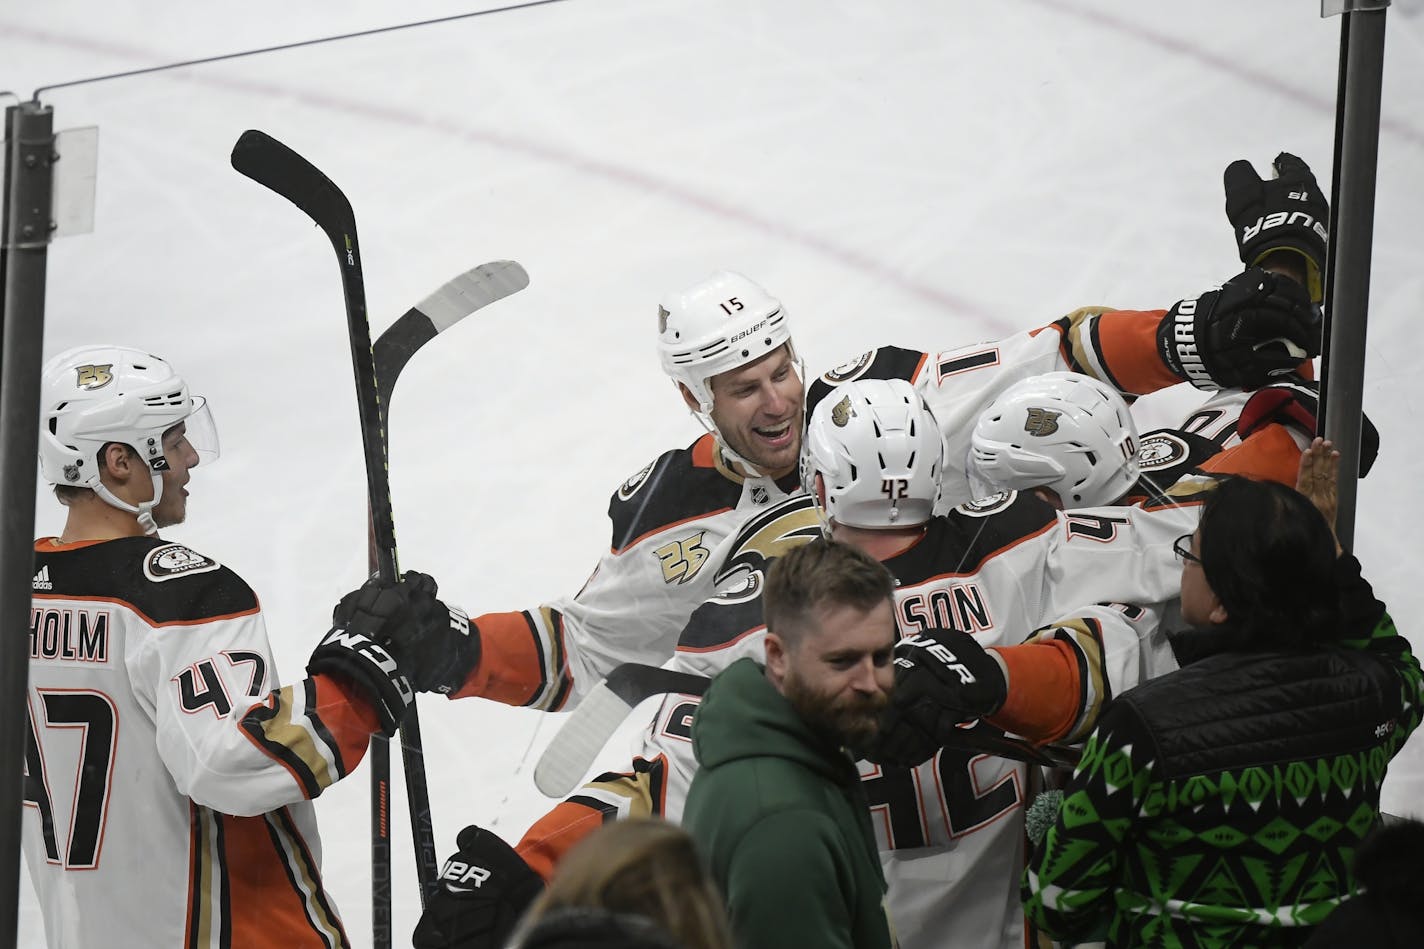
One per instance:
(297,738)
(1085,636)
(305,878)
(641,790)
(1085,355)
(720,462)
(204,881)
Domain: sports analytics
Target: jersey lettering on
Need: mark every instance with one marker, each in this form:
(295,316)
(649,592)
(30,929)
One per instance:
(200,687)
(69,635)
(93,714)
(1093,526)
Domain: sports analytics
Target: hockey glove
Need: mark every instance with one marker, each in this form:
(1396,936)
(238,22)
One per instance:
(437,645)
(353,648)
(1254,327)
(942,678)
(1286,213)
(482,892)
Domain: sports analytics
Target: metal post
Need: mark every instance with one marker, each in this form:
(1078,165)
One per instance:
(26,236)
(1357,136)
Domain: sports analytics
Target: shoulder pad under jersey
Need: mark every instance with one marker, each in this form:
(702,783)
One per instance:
(165,581)
(886,362)
(962,540)
(678,486)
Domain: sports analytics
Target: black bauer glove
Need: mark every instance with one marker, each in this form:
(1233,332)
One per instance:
(942,677)
(355,648)
(1287,212)
(482,892)
(1254,327)
(437,645)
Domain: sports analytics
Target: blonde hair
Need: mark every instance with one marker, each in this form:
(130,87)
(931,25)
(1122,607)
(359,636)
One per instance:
(640,866)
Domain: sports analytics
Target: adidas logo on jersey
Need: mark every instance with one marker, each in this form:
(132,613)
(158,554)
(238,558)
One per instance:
(41,580)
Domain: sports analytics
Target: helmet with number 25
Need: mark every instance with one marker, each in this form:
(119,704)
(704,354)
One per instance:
(92,396)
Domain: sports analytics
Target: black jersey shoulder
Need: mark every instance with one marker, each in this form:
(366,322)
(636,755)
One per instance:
(165,581)
(723,620)
(678,486)
(1164,457)
(962,540)
(886,362)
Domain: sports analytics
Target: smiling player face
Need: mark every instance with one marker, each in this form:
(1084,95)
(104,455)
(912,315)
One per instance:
(758,411)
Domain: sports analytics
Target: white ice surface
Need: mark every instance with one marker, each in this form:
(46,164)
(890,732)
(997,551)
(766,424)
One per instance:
(898,171)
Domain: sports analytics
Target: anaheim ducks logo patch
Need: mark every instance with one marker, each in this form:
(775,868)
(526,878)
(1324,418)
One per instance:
(1160,450)
(1041,422)
(983,507)
(175,560)
(841,413)
(847,371)
(630,487)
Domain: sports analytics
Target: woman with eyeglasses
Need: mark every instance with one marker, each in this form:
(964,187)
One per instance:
(1220,805)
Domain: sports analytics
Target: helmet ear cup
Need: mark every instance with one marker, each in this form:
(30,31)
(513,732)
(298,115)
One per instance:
(879,452)
(1061,430)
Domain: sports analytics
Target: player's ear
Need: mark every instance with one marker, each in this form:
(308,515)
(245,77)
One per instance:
(689,398)
(119,463)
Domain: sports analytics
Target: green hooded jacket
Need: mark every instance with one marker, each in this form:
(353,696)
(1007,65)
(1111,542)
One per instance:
(779,814)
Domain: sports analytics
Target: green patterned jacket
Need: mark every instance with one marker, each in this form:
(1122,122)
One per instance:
(1221,805)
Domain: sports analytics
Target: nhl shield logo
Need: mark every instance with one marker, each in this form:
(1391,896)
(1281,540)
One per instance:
(840,415)
(1041,422)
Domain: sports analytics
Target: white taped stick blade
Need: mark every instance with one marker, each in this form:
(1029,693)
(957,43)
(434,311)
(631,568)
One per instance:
(475,288)
(569,756)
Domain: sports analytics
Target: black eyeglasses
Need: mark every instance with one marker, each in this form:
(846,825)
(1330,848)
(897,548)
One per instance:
(1182,547)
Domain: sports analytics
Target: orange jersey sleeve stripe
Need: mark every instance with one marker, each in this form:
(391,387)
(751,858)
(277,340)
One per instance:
(555,834)
(1044,691)
(511,668)
(1269,454)
(1127,343)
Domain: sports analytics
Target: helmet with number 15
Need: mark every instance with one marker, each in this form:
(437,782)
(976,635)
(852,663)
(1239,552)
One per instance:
(725,342)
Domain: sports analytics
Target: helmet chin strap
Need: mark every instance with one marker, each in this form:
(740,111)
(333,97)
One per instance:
(704,416)
(143,510)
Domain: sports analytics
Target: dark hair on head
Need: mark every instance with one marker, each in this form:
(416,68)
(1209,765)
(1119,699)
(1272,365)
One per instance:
(1269,557)
(823,573)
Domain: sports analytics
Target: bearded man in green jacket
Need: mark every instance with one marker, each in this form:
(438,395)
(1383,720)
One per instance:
(776,806)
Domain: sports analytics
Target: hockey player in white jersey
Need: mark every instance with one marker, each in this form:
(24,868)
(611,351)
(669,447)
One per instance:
(1000,568)
(727,346)
(167,771)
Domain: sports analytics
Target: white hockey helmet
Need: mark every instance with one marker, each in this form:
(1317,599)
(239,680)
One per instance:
(1060,430)
(879,452)
(719,324)
(91,396)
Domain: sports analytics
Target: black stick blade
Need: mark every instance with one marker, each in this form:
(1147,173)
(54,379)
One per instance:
(273,165)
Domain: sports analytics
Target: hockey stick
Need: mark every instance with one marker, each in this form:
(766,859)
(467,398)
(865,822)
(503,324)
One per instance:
(456,299)
(571,753)
(275,166)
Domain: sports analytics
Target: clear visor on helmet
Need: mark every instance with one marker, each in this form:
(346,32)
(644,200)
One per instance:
(200,432)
